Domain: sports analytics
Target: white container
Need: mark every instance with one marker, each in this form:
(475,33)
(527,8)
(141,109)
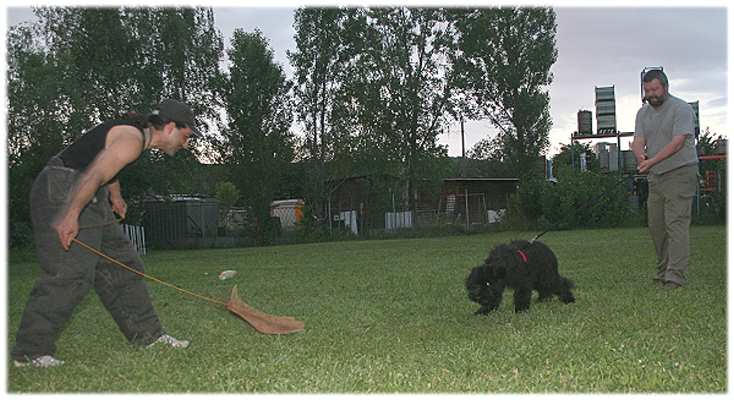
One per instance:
(605,108)
(229,274)
(290,212)
(604,93)
(584,122)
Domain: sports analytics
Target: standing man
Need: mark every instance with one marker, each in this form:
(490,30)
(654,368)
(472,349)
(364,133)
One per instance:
(75,195)
(665,151)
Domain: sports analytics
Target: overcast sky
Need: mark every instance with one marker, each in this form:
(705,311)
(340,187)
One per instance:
(599,46)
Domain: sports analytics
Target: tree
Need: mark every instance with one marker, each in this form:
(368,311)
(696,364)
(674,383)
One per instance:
(713,204)
(487,158)
(258,138)
(227,195)
(319,81)
(78,66)
(569,157)
(33,126)
(399,91)
(488,149)
(111,60)
(708,142)
(503,65)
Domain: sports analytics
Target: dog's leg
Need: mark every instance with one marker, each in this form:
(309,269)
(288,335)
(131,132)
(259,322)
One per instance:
(522,299)
(483,310)
(564,292)
(544,293)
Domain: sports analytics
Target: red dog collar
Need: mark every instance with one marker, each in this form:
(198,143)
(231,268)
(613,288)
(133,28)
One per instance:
(523,256)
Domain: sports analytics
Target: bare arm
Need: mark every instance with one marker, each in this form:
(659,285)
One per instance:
(673,147)
(118,153)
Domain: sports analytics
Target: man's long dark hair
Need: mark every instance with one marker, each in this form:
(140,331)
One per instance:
(143,121)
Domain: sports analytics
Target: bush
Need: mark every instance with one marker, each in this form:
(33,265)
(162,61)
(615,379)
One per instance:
(711,209)
(21,235)
(516,217)
(578,200)
(586,200)
(530,196)
(227,195)
(267,232)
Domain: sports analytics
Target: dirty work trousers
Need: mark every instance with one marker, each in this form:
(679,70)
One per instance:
(66,277)
(669,206)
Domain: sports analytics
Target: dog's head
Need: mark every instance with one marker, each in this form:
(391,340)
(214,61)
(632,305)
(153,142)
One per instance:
(475,283)
(500,260)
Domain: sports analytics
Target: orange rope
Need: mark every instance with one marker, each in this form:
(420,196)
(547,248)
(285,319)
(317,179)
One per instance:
(154,279)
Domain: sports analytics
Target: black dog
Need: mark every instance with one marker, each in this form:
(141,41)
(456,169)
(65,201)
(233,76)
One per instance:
(524,267)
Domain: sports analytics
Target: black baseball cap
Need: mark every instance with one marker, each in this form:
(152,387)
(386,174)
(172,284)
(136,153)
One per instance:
(176,111)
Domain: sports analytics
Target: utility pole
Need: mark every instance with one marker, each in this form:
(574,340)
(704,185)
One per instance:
(463,146)
(463,171)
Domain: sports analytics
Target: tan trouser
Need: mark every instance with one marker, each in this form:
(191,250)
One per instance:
(669,218)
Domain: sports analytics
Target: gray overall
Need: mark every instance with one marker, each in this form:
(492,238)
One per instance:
(67,276)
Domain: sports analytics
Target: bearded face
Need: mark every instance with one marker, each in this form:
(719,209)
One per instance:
(655,92)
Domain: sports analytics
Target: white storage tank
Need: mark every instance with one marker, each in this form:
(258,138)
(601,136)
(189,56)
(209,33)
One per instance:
(606,120)
(584,122)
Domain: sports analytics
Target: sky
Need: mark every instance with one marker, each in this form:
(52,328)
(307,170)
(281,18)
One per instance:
(600,46)
(597,46)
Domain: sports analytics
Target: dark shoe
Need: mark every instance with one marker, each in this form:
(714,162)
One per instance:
(671,285)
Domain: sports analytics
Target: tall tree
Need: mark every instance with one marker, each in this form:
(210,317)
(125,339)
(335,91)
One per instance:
(260,144)
(570,157)
(399,88)
(319,81)
(503,65)
(78,66)
(35,116)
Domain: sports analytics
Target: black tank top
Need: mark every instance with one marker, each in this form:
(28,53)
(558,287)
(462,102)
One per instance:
(82,152)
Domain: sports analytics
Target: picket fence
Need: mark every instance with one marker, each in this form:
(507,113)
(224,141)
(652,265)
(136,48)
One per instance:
(136,234)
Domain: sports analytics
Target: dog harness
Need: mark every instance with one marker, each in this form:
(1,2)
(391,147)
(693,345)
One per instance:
(523,256)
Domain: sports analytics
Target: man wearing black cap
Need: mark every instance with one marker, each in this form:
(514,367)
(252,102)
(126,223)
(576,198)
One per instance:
(75,195)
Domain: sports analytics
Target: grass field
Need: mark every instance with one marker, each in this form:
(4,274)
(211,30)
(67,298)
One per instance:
(392,317)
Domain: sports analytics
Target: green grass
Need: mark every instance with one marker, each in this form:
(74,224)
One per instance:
(392,316)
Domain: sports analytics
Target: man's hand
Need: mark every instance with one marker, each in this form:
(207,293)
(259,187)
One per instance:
(118,205)
(116,201)
(67,228)
(640,158)
(671,148)
(645,165)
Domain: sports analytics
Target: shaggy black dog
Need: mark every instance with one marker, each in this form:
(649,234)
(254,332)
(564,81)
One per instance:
(524,267)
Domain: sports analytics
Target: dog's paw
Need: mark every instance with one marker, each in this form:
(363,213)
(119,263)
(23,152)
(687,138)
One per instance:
(483,311)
